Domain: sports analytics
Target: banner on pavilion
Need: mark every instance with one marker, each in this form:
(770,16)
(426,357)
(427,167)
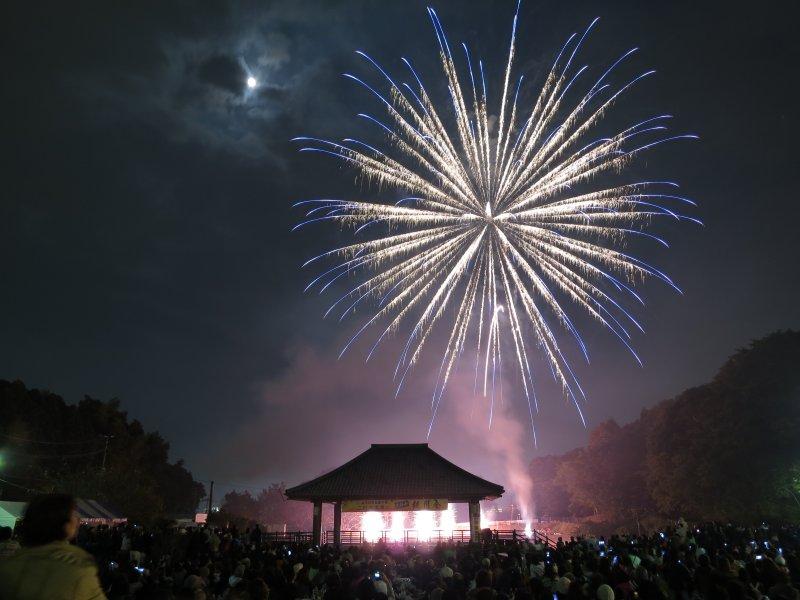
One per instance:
(393,505)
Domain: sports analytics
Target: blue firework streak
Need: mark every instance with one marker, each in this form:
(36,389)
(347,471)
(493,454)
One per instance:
(492,236)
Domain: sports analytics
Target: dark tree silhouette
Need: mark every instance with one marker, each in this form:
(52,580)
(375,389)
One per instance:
(49,445)
(726,449)
(270,507)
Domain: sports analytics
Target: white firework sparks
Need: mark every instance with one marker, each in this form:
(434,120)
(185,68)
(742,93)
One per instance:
(502,222)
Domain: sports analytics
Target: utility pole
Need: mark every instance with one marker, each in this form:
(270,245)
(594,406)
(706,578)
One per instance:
(105,451)
(210,499)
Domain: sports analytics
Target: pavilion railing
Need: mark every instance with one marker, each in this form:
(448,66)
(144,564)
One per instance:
(542,538)
(411,536)
(295,537)
(537,537)
(408,536)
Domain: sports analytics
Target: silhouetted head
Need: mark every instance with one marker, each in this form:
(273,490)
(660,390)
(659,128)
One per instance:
(49,518)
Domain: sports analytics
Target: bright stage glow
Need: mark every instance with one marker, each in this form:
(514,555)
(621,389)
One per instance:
(423,523)
(504,224)
(398,528)
(372,526)
(252,82)
(447,521)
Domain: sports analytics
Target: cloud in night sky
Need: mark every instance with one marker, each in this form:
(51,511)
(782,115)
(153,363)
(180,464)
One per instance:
(191,79)
(223,72)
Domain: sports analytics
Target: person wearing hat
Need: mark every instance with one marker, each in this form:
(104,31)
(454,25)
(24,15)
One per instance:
(238,575)
(604,592)
(483,585)
(195,584)
(562,586)
(537,569)
(381,588)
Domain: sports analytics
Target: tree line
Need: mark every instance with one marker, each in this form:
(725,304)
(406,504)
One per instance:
(728,449)
(91,450)
(269,507)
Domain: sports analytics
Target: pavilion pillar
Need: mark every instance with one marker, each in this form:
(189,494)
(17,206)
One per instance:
(316,527)
(475,521)
(337,523)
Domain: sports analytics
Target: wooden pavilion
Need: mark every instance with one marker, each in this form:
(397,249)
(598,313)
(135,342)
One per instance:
(391,477)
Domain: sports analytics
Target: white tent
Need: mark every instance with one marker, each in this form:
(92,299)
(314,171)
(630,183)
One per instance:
(11,512)
(91,511)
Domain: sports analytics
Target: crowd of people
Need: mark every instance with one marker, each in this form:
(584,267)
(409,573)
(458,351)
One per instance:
(682,562)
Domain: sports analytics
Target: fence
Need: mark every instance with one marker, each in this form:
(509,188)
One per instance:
(412,536)
(408,536)
(294,537)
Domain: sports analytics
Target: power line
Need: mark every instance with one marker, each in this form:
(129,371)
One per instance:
(235,485)
(22,487)
(76,455)
(105,450)
(27,477)
(30,441)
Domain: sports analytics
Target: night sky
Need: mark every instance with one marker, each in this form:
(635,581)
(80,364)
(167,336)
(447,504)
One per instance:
(146,216)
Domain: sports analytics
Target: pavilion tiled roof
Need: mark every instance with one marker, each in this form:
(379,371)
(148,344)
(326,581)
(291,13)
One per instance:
(396,471)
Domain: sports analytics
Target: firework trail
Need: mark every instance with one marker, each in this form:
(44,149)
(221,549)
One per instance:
(503,222)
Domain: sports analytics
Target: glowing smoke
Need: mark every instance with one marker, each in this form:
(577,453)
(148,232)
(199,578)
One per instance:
(508,442)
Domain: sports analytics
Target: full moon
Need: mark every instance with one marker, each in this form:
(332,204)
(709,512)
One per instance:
(252,82)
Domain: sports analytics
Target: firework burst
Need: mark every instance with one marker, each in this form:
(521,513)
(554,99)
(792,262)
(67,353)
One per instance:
(503,222)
